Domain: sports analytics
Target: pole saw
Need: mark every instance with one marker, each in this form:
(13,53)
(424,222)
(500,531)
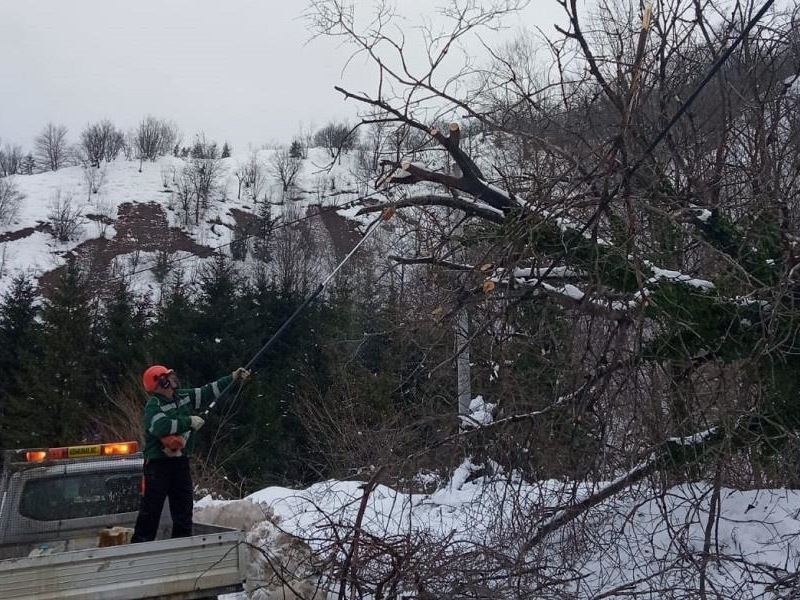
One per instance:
(385,215)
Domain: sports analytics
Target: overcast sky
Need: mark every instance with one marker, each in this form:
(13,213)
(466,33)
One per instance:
(240,70)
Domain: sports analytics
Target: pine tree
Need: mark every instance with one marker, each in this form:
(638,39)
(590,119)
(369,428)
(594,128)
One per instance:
(296,149)
(58,394)
(18,344)
(263,233)
(28,165)
(264,417)
(171,341)
(226,151)
(218,306)
(122,333)
(17,318)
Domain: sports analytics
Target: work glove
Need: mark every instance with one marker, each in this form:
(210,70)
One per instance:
(197,422)
(240,374)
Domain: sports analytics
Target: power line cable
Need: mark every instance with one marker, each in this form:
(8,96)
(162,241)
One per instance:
(251,364)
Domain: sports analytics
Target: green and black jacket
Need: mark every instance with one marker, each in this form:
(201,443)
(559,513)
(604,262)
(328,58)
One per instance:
(172,416)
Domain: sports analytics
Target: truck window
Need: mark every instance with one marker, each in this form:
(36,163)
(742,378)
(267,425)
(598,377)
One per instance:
(80,495)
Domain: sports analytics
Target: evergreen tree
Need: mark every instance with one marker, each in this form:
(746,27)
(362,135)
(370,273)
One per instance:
(220,323)
(28,165)
(263,232)
(58,395)
(264,418)
(18,344)
(122,333)
(226,151)
(171,340)
(296,149)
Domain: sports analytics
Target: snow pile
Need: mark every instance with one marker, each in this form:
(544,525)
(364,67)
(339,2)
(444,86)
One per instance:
(643,539)
(280,565)
(480,413)
(236,514)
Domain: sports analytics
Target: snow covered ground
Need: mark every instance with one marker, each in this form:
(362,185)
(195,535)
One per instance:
(643,544)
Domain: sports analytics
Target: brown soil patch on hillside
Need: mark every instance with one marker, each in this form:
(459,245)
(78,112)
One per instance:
(247,221)
(344,232)
(19,234)
(140,227)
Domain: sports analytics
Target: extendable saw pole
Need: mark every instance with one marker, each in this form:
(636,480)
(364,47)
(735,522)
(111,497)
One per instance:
(385,215)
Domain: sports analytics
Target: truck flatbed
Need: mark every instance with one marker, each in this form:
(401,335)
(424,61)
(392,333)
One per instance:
(194,567)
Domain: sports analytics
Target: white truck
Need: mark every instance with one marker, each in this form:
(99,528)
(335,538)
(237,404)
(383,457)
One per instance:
(55,502)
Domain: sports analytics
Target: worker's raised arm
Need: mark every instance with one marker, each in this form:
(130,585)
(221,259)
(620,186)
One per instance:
(202,396)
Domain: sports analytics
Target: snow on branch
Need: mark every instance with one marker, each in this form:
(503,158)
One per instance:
(677,277)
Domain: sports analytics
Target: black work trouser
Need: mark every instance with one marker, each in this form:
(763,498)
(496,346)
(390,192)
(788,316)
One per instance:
(165,478)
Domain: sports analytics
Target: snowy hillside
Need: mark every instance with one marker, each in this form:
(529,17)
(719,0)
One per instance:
(127,221)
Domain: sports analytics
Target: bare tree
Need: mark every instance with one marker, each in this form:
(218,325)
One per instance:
(129,145)
(183,196)
(630,217)
(10,200)
(195,187)
(240,174)
(104,217)
(115,145)
(154,138)
(306,137)
(285,167)
(375,146)
(51,147)
(11,160)
(94,178)
(336,138)
(251,174)
(66,219)
(101,141)
(295,254)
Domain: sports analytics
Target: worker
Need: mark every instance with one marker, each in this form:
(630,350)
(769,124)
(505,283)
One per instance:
(170,426)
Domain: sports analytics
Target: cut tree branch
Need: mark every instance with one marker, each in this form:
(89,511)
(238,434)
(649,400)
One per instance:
(470,208)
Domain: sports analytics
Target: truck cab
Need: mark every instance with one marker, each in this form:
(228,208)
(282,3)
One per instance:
(63,503)
(53,505)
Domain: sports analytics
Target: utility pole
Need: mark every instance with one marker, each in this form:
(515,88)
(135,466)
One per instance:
(464,386)
(461,322)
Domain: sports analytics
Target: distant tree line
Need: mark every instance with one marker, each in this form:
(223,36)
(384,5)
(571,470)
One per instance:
(102,141)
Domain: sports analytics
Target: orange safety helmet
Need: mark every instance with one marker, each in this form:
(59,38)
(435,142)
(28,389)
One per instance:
(153,377)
